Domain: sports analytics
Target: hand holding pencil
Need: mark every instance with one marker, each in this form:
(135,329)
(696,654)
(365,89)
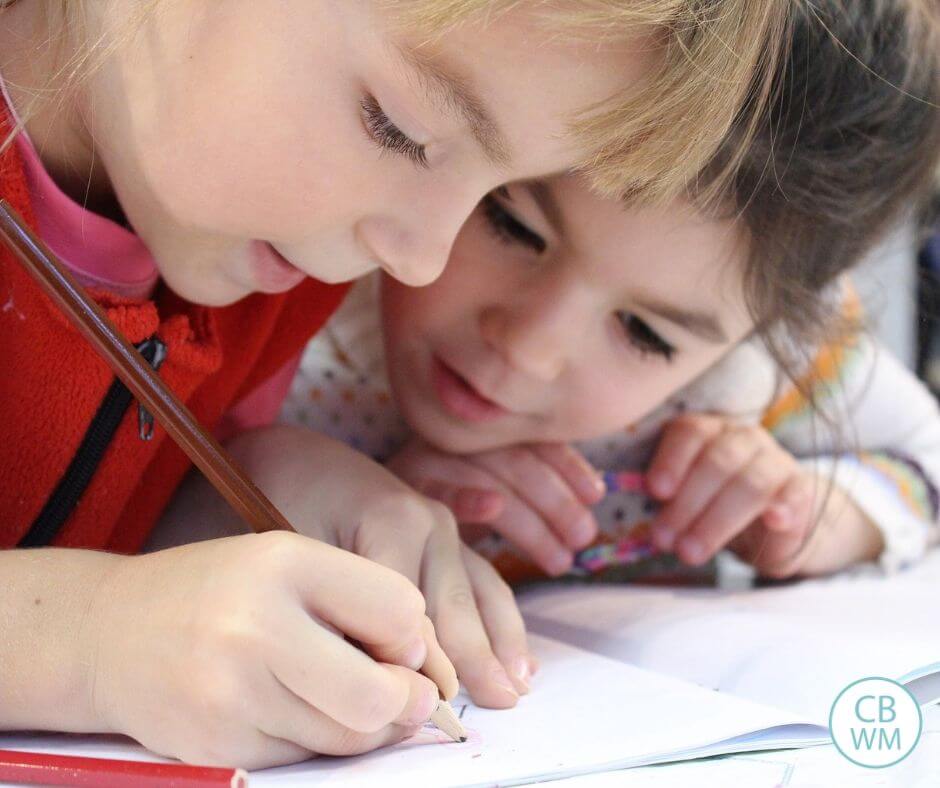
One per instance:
(339,496)
(233,651)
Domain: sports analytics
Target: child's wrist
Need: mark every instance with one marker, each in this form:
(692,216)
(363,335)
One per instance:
(863,536)
(50,651)
(104,622)
(844,536)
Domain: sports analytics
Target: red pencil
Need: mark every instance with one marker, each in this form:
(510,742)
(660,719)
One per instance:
(38,768)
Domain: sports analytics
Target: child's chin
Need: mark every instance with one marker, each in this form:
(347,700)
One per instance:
(216,292)
(466,440)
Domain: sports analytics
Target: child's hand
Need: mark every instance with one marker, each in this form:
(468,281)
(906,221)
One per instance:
(724,484)
(839,536)
(538,496)
(328,491)
(232,652)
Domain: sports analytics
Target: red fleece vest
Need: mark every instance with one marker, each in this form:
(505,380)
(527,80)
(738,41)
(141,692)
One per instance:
(52,384)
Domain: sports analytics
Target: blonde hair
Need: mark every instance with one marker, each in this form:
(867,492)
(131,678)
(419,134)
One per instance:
(718,58)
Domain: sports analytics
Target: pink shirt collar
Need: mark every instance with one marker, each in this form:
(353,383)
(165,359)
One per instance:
(100,252)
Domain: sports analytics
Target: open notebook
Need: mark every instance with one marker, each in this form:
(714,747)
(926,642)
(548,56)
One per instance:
(637,676)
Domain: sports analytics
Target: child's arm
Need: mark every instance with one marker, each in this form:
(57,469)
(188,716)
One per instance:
(226,652)
(878,440)
(338,495)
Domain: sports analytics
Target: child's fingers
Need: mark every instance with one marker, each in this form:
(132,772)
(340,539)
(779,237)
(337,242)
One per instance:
(523,527)
(348,686)
(513,519)
(372,604)
(384,611)
(776,555)
(453,608)
(574,469)
(720,460)
(777,548)
(539,485)
(468,491)
(472,533)
(682,441)
(398,538)
(792,507)
(393,532)
(502,618)
(305,726)
(735,507)
(468,504)
(782,553)
(437,666)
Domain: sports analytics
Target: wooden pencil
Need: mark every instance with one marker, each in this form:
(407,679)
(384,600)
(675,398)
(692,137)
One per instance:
(126,362)
(34,768)
(447,720)
(134,371)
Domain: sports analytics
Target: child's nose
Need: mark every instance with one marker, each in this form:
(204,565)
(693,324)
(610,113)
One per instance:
(413,257)
(412,241)
(538,345)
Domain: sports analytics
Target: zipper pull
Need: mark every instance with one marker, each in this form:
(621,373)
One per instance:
(155,352)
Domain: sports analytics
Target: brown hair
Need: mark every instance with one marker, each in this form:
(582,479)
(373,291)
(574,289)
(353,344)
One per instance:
(850,141)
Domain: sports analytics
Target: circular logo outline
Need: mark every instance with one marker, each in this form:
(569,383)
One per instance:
(920,722)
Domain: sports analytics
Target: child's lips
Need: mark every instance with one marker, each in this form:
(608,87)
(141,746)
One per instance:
(272,272)
(460,398)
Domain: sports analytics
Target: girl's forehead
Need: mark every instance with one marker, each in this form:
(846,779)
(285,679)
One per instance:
(673,251)
(521,85)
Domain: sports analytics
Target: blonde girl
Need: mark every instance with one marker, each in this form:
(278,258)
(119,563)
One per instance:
(215,173)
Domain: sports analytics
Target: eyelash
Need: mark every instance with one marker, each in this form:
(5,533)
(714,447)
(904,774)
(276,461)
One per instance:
(388,136)
(643,338)
(507,228)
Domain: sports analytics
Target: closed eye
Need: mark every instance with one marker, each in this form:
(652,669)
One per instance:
(388,136)
(507,228)
(639,334)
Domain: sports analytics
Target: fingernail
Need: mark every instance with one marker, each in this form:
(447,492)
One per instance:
(520,668)
(533,666)
(692,550)
(596,488)
(501,679)
(424,709)
(416,655)
(663,537)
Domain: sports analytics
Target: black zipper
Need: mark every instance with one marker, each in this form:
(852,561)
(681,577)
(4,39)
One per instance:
(98,437)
